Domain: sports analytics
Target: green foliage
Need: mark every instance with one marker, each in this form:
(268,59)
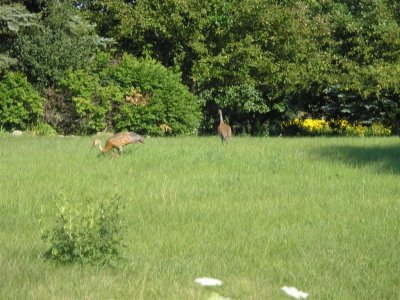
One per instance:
(132,94)
(261,61)
(365,55)
(330,58)
(64,40)
(20,104)
(6,62)
(42,128)
(92,100)
(14,18)
(168,100)
(88,232)
(250,50)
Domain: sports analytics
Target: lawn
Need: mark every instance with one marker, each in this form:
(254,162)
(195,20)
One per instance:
(320,214)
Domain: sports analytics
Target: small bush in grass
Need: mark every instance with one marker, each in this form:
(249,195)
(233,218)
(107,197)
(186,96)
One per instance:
(42,128)
(89,232)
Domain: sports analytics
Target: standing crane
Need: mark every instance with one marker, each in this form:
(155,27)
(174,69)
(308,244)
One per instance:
(224,130)
(118,141)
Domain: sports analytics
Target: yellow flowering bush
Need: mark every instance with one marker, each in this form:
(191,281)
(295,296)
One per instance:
(315,125)
(375,129)
(344,127)
(379,130)
(309,126)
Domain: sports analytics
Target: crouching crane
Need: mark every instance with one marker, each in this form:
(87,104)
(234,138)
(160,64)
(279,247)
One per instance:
(224,130)
(118,141)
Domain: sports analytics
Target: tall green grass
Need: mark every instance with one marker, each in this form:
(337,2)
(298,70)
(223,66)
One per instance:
(320,214)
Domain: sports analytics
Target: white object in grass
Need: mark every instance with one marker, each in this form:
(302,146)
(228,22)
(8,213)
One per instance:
(295,293)
(16,133)
(206,281)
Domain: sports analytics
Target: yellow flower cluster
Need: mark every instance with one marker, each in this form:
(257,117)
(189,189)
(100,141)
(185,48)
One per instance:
(345,128)
(310,125)
(342,124)
(315,125)
(340,127)
(165,128)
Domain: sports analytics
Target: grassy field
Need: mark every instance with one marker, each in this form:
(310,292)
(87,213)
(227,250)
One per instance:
(320,214)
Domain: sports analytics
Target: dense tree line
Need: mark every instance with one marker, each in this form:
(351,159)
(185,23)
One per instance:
(261,61)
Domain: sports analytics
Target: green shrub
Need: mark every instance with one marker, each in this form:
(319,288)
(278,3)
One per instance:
(88,232)
(133,94)
(20,104)
(378,129)
(163,99)
(42,129)
(92,100)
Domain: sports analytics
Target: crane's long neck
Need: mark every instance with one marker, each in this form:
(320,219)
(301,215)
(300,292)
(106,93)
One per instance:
(221,120)
(101,148)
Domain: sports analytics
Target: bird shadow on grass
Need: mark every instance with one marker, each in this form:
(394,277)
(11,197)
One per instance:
(381,158)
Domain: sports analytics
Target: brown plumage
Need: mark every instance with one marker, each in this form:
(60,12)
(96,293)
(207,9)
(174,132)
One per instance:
(118,141)
(224,130)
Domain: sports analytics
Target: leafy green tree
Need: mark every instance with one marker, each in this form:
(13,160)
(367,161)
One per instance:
(64,40)
(258,51)
(14,18)
(271,48)
(280,58)
(366,57)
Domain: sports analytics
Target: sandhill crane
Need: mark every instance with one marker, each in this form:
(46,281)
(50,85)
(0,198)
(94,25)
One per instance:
(118,141)
(224,130)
